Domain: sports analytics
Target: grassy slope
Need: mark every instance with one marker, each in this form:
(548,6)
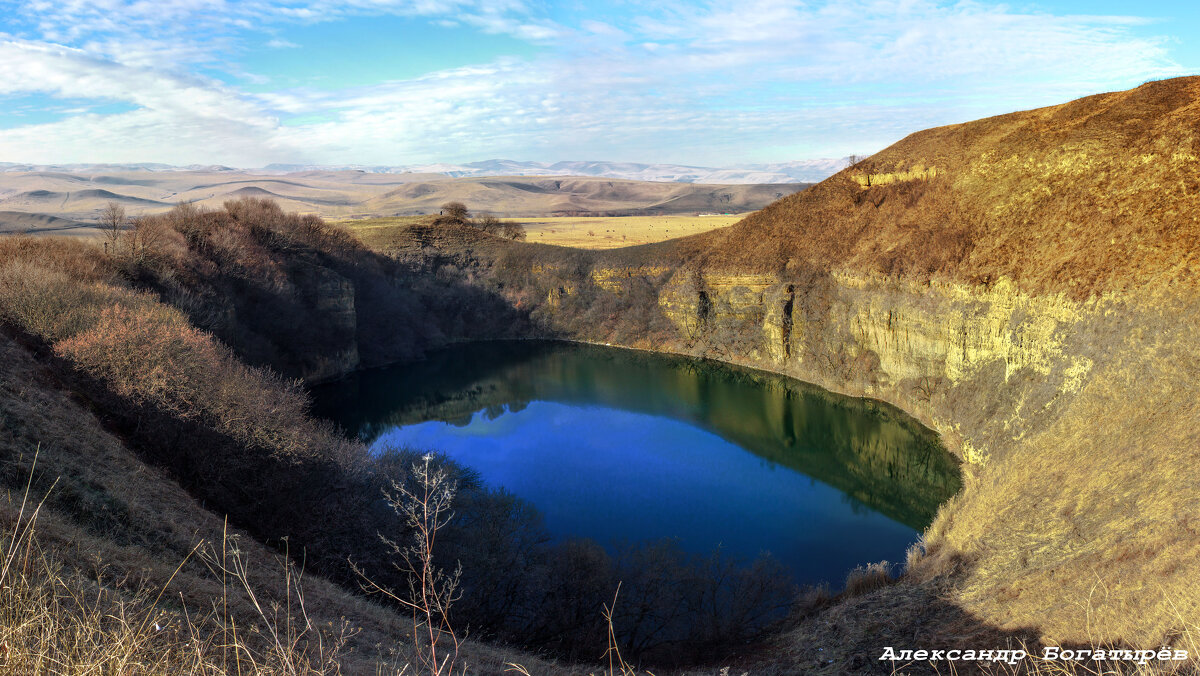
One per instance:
(1097,195)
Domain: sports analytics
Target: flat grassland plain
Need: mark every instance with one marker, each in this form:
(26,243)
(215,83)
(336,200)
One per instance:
(580,232)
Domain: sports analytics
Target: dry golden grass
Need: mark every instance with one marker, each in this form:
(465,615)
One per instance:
(619,231)
(581,232)
(1095,195)
(1090,526)
(54,621)
(377,233)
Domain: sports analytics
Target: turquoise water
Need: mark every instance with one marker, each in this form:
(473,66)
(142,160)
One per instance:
(622,446)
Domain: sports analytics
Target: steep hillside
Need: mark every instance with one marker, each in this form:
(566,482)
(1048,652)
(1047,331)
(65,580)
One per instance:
(1097,195)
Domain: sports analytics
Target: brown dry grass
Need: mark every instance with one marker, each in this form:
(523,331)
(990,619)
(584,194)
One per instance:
(52,621)
(1095,195)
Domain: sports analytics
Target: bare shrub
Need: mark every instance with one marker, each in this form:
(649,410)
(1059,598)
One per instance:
(514,231)
(150,353)
(491,225)
(425,504)
(453,212)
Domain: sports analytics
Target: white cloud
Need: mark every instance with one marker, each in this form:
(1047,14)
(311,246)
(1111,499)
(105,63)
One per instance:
(72,73)
(713,83)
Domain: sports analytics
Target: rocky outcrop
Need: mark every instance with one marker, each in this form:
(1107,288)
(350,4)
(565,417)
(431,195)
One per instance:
(910,344)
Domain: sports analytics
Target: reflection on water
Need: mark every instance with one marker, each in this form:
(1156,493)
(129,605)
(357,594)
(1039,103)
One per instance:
(621,445)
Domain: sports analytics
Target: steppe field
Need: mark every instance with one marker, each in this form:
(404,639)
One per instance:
(581,232)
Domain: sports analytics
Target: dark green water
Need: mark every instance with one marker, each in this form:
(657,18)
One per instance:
(625,446)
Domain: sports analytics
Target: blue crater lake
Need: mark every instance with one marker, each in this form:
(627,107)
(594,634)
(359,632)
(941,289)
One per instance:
(624,446)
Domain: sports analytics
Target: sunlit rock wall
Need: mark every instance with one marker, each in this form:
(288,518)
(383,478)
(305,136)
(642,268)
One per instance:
(932,348)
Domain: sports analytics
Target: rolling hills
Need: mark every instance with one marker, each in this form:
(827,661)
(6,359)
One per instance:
(799,171)
(80,196)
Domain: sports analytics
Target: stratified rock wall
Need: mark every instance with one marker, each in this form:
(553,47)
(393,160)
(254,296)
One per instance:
(911,344)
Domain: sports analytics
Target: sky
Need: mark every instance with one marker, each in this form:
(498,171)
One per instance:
(396,82)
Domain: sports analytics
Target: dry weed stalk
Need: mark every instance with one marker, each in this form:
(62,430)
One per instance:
(52,622)
(426,509)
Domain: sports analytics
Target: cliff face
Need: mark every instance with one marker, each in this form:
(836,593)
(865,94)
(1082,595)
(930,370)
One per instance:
(901,341)
(331,296)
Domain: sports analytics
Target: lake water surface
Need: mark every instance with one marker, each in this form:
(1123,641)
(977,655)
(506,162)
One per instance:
(625,446)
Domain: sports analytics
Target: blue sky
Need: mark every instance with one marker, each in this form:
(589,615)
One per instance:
(393,82)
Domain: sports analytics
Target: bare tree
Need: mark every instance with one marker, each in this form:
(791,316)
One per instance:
(425,505)
(514,231)
(491,225)
(112,222)
(455,211)
(144,238)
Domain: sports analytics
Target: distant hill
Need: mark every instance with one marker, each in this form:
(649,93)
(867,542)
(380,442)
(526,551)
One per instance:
(801,171)
(20,222)
(81,195)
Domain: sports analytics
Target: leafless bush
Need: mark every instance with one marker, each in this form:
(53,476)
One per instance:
(491,225)
(425,505)
(112,224)
(514,231)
